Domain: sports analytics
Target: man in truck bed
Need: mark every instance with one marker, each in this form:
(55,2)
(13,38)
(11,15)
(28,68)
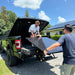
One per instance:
(34,29)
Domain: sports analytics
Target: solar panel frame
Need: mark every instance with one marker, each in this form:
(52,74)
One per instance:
(44,43)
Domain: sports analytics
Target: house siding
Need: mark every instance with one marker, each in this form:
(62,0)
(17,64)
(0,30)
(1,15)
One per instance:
(53,32)
(73,31)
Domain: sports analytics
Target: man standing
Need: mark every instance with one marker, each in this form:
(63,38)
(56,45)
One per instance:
(34,29)
(68,43)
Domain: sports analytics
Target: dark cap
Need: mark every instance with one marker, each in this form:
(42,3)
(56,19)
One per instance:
(68,27)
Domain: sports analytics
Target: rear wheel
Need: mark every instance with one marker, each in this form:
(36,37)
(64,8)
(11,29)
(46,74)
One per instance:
(12,60)
(1,49)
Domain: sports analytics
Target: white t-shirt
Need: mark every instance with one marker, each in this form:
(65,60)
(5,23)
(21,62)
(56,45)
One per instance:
(33,28)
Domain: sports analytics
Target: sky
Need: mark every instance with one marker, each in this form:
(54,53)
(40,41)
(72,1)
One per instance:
(54,11)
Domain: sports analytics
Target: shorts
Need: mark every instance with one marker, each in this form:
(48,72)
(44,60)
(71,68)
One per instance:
(31,33)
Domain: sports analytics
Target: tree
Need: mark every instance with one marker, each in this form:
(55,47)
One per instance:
(2,23)
(3,10)
(12,16)
(7,19)
(2,26)
(27,13)
(3,13)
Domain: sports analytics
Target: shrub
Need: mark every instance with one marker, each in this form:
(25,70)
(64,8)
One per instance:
(55,37)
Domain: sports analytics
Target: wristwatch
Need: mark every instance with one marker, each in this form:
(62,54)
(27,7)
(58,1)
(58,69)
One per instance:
(46,50)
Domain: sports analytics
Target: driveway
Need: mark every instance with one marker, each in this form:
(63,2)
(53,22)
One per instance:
(31,66)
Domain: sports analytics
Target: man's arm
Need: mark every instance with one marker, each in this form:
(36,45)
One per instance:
(55,45)
(38,32)
(31,32)
(31,29)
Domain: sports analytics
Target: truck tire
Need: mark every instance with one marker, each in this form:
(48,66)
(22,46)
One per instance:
(2,50)
(0,46)
(12,60)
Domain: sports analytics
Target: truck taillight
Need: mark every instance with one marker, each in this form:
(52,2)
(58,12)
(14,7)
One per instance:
(18,44)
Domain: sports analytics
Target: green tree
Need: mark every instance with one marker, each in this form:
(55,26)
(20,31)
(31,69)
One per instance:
(3,10)
(2,26)
(2,23)
(3,13)
(27,13)
(12,16)
(7,19)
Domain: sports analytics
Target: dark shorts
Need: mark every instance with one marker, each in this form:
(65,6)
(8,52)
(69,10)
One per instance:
(31,34)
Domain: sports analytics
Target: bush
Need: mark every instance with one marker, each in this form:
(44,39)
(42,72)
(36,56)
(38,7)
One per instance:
(55,37)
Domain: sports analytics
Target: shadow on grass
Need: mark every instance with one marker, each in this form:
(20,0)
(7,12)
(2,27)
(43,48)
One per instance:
(31,66)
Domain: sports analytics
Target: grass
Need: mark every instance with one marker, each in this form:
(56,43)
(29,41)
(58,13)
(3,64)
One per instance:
(4,70)
(4,43)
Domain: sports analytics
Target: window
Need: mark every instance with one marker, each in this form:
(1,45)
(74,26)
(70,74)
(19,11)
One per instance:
(48,34)
(61,32)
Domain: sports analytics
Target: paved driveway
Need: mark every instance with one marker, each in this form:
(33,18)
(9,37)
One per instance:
(31,66)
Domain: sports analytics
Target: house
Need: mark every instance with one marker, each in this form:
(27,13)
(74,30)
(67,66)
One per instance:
(58,29)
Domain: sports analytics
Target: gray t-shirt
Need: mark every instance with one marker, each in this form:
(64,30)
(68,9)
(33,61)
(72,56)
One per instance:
(68,43)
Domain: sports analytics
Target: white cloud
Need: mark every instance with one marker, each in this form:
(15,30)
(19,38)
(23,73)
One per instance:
(32,4)
(61,19)
(43,16)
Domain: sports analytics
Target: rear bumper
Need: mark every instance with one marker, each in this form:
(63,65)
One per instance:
(27,51)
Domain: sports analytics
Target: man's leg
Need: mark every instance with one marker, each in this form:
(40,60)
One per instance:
(35,35)
(66,69)
(31,36)
(73,70)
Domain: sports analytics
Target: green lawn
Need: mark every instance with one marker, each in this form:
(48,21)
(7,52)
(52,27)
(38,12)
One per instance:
(4,43)
(4,70)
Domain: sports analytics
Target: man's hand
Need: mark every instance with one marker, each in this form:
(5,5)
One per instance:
(55,45)
(40,36)
(45,52)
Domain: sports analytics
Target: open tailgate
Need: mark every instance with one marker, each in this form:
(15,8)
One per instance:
(21,26)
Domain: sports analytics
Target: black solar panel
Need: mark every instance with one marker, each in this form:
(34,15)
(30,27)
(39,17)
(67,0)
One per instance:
(62,25)
(44,43)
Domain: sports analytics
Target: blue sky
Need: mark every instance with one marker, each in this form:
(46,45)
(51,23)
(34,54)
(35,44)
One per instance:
(54,11)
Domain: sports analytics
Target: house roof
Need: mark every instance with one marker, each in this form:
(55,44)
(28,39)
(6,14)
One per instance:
(61,25)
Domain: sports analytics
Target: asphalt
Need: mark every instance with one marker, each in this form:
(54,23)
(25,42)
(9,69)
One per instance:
(31,66)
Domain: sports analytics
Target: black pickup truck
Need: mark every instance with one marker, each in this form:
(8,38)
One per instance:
(18,44)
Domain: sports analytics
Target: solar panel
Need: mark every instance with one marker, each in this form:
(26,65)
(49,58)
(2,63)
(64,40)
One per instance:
(44,43)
